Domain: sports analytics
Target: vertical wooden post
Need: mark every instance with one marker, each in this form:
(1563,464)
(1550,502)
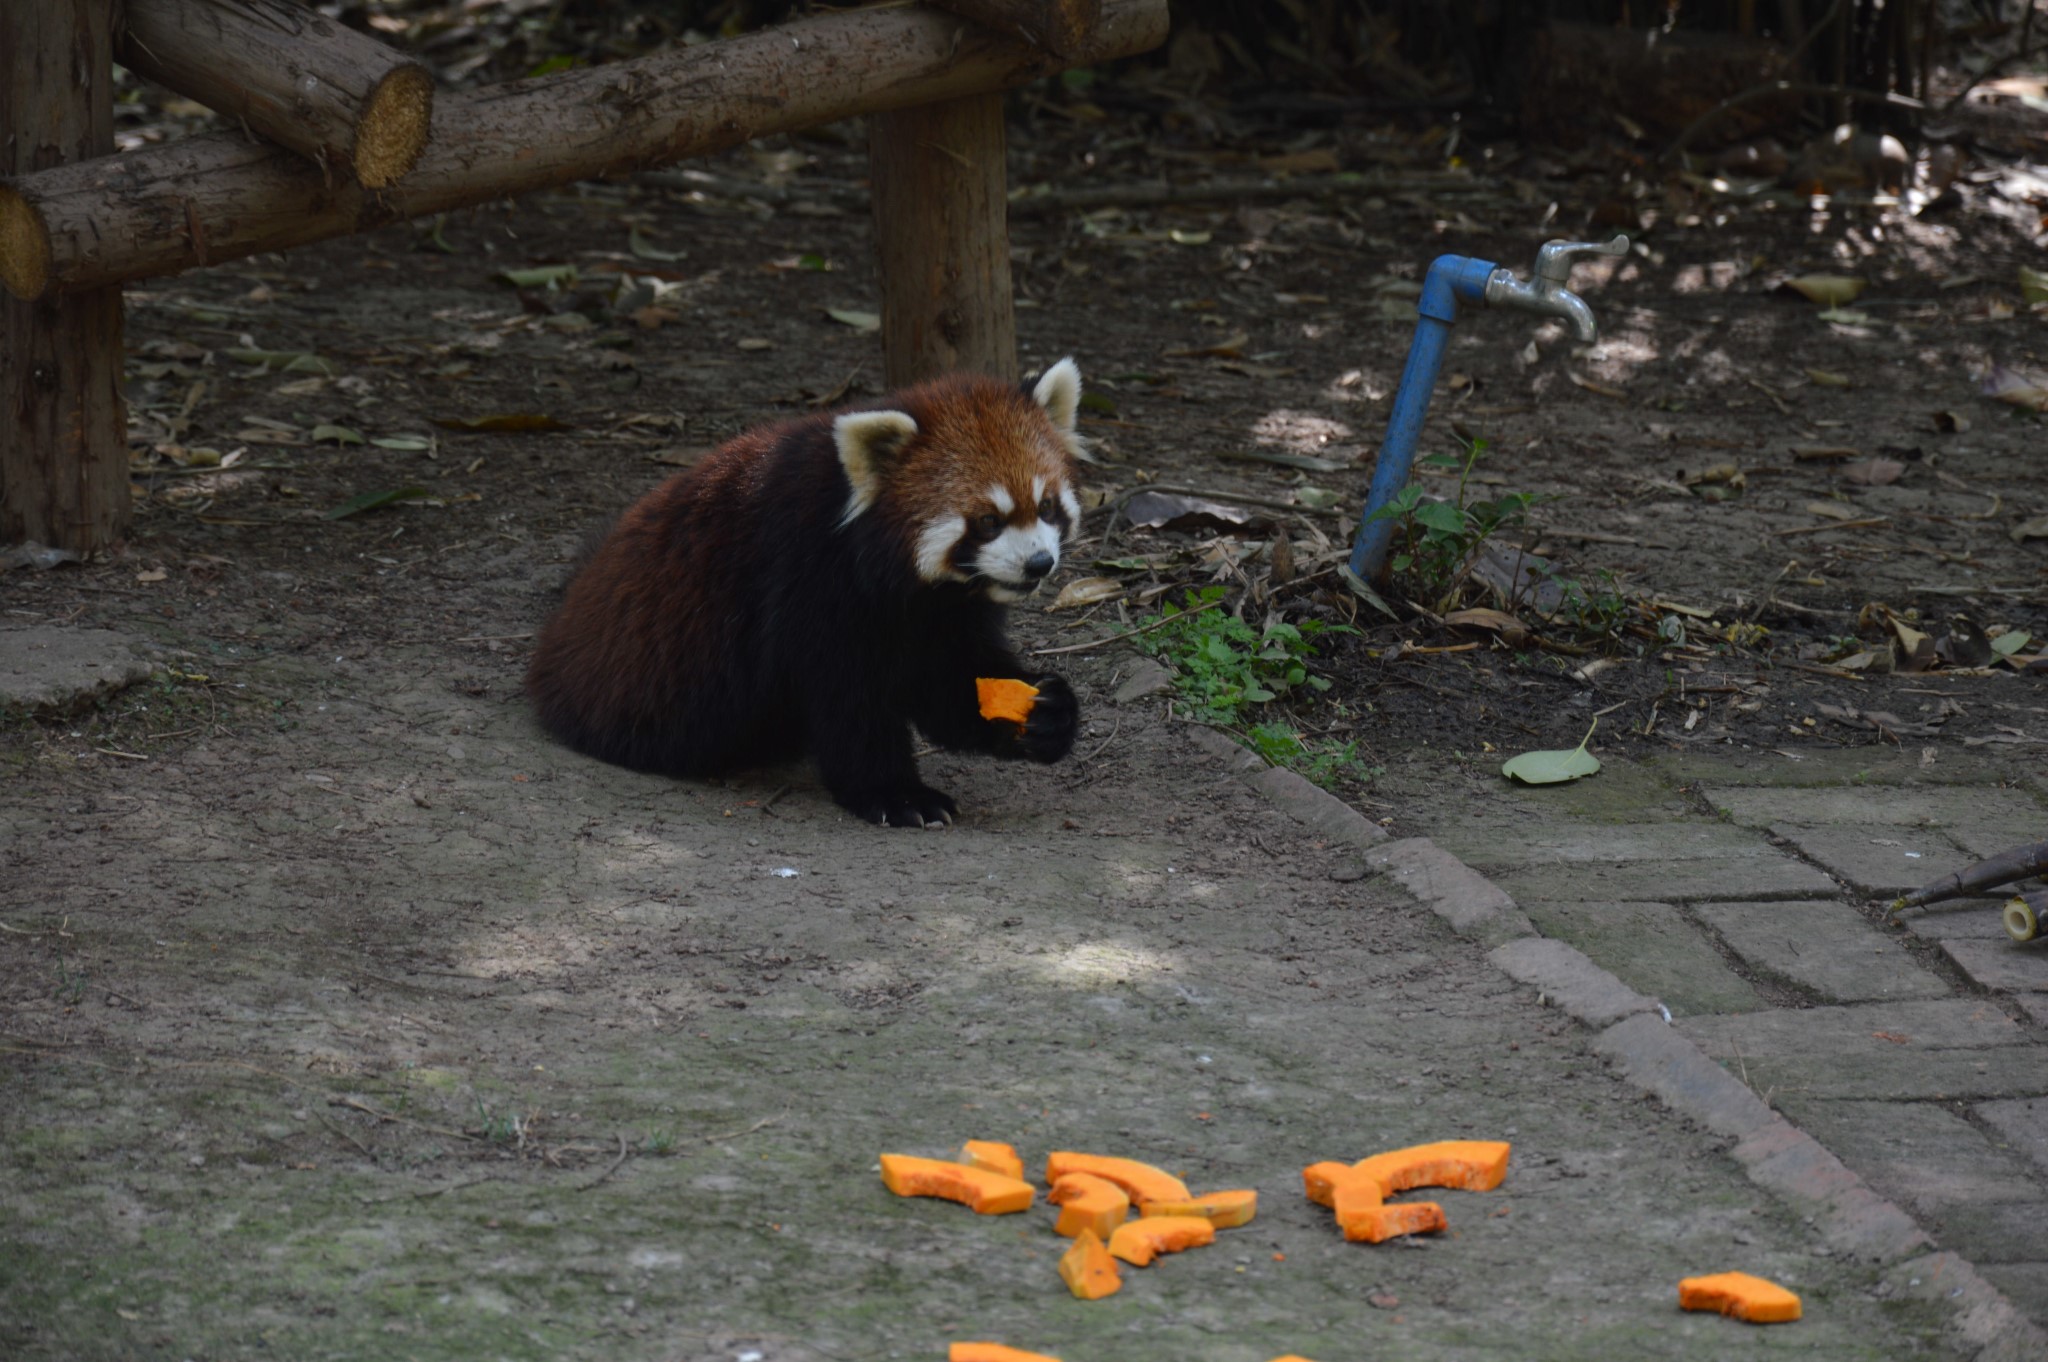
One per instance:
(63,426)
(942,238)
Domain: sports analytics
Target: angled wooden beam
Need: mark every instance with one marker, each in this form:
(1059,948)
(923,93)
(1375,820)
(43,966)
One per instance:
(1061,27)
(346,101)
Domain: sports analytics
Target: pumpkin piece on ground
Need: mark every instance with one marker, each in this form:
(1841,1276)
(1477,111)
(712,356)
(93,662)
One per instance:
(993,1156)
(1471,1165)
(1087,1202)
(1140,1181)
(1740,1296)
(1138,1242)
(1088,1270)
(993,1352)
(1321,1180)
(984,1192)
(1365,1219)
(1002,698)
(1224,1210)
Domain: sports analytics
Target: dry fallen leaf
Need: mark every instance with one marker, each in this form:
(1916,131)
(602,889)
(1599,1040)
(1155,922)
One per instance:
(2021,387)
(1874,472)
(1830,290)
(1086,591)
(1230,347)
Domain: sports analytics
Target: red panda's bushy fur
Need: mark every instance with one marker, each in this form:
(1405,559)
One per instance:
(796,592)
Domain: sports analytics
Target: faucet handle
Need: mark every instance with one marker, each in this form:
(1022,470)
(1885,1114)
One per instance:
(1554,258)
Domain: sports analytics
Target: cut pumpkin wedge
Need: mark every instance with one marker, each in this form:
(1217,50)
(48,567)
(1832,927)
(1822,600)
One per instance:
(1088,1270)
(1140,1181)
(1087,1202)
(1224,1210)
(1472,1165)
(1366,1219)
(984,1192)
(993,1156)
(1138,1242)
(1321,1180)
(993,1352)
(1005,699)
(1740,1296)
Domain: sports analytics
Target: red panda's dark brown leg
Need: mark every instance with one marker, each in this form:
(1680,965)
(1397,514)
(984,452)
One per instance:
(864,757)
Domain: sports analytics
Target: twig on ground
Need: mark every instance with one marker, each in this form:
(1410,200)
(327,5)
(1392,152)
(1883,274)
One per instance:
(1159,623)
(616,1164)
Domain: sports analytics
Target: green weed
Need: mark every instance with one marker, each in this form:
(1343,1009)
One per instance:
(1227,673)
(1441,537)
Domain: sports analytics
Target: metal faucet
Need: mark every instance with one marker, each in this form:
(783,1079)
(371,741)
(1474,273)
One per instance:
(1547,294)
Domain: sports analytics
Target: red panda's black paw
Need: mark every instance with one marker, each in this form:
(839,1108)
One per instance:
(914,806)
(1055,721)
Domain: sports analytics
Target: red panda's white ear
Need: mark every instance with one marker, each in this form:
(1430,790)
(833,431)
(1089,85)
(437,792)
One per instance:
(867,441)
(1059,392)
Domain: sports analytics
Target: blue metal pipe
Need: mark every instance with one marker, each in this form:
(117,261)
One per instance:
(1450,278)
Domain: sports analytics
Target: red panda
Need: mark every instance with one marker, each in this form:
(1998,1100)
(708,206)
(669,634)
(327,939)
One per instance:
(822,586)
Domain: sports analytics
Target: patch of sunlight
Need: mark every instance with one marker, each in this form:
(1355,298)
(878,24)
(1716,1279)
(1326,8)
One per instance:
(1714,277)
(1298,432)
(1104,962)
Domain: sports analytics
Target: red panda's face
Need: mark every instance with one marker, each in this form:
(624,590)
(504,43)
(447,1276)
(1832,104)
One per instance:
(977,476)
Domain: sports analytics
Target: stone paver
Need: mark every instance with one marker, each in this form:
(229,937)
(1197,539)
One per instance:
(2024,1284)
(1978,918)
(65,670)
(1983,842)
(1946,1048)
(1861,805)
(2000,963)
(1769,874)
(1876,858)
(1487,847)
(1823,946)
(1919,1154)
(2021,1124)
(1651,948)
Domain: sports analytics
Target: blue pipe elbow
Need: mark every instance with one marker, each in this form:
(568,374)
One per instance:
(1450,278)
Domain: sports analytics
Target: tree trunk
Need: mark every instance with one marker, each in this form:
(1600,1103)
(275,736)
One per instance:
(63,427)
(219,197)
(327,92)
(942,239)
(1058,26)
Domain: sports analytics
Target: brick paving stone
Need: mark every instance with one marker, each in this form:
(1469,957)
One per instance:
(1973,918)
(1651,948)
(1624,792)
(2024,1284)
(1823,946)
(2021,1123)
(1489,846)
(1794,767)
(2000,964)
(1568,980)
(1921,1155)
(1959,1048)
(1912,806)
(1877,859)
(1987,1326)
(1769,875)
(2034,1005)
(1985,842)
(2009,1231)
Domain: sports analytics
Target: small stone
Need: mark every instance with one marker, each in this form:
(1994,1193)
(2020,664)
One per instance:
(1348,869)
(1147,678)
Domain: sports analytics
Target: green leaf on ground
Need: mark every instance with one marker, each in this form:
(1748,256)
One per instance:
(370,501)
(541,276)
(341,435)
(1553,768)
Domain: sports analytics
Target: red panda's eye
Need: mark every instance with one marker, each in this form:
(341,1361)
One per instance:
(989,525)
(1045,509)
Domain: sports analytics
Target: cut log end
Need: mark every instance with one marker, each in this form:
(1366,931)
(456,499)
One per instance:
(24,247)
(392,131)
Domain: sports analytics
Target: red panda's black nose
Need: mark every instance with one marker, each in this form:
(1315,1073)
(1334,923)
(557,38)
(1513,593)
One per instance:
(1038,564)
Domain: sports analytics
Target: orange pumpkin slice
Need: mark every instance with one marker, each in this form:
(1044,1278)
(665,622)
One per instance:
(1087,1202)
(1473,1165)
(1321,1180)
(992,1352)
(1141,1181)
(1366,1219)
(993,1156)
(1002,698)
(1740,1296)
(1088,1270)
(1224,1210)
(984,1192)
(1138,1242)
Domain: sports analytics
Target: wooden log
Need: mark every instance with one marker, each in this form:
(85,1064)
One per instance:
(942,239)
(305,82)
(63,427)
(1061,27)
(218,197)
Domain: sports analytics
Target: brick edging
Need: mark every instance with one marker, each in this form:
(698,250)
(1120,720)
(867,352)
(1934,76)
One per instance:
(1633,1035)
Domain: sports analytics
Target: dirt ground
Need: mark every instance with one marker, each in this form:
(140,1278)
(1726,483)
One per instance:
(345,1016)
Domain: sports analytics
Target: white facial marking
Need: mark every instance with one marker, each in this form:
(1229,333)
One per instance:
(1002,559)
(935,545)
(1000,496)
(1038,488)
(1073,505)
